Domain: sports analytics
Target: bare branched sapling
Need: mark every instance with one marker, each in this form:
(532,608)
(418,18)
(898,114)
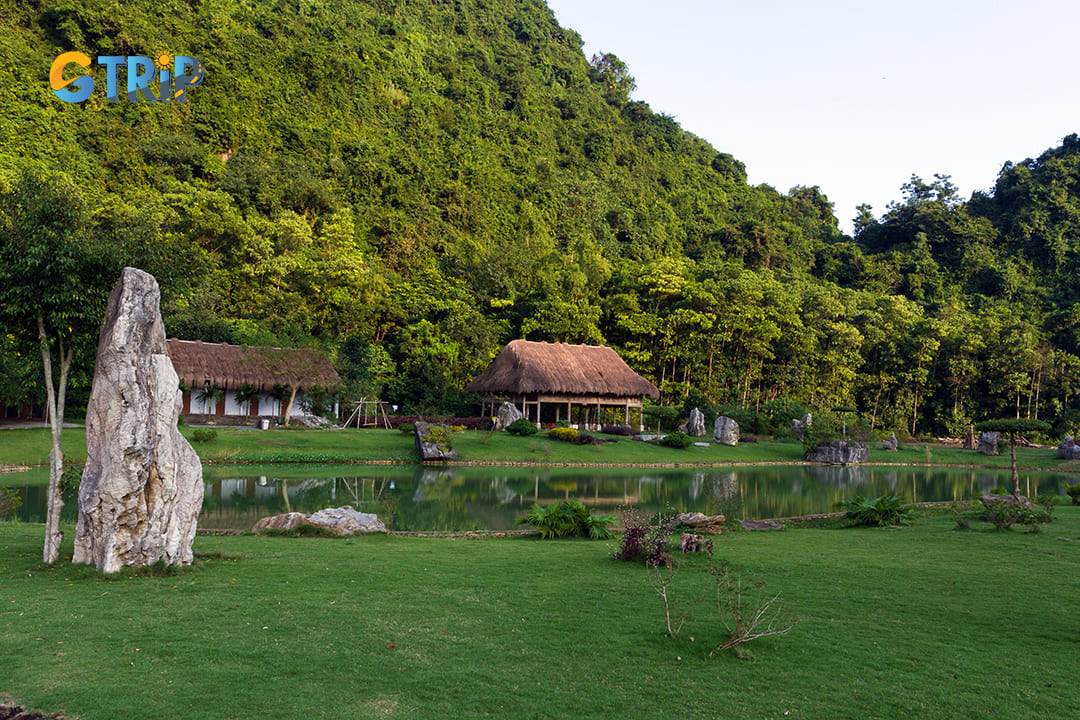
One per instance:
(745,611)
(660,576)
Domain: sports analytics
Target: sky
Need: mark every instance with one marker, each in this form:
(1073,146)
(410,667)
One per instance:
(852,96)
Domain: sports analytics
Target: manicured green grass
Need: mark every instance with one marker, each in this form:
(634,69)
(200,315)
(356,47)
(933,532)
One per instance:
(235,445)
(923,621)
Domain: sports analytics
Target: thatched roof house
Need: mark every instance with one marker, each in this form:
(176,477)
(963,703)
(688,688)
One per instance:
(530,374)
(230,367)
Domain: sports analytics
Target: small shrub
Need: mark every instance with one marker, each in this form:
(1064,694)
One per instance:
(458,428)
(9,501)
(204,435)
(522,427)
(568,518)
(621,430)
(1002,513)
(643,541)
(881,511)
(407,428)
(563,434)
(962,513)
(678,440)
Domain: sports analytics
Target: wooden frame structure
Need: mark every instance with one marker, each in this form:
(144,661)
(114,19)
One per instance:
(546,380)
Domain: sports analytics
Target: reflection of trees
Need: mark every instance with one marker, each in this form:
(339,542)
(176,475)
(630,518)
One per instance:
(470,498)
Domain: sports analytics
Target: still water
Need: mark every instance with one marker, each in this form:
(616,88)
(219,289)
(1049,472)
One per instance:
(413,497)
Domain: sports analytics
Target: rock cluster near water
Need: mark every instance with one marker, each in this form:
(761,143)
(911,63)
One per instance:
(340,521)
(695,426)
(142,488)
(988,442)
(797,425)
(435,442)
(726,431)
(1069,449)
(506,414)
(839,452)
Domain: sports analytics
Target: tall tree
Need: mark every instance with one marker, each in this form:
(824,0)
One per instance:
(53,285)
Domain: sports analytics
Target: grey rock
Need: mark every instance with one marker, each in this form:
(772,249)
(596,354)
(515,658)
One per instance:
(891,443)
(988,442)
(699,521)
(506,414)
(798,425)
(435,442)
(346,521)
(702,444)
(1069,449)
(313,421)
(839,452)
(1017,503)
(726,431)
(142,488)
(279,522)
(696,424)
(646,437)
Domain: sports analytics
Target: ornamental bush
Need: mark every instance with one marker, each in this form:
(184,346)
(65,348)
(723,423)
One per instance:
(563,434)
(677,440)
(521,427)
(204,435)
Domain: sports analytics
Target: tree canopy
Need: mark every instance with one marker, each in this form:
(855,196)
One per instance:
(415,185)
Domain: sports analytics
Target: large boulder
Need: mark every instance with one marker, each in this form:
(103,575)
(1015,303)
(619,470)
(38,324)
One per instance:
(1069,449)
(142,487)
(696,424)
(890,444)
(726,431)
(988,442)
(506,414)
(346,521)
(839,452)
(435,442)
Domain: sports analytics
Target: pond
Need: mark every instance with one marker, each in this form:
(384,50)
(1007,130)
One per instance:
(410,497)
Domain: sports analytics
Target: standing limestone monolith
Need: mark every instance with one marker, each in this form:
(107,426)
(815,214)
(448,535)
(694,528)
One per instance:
(142,487)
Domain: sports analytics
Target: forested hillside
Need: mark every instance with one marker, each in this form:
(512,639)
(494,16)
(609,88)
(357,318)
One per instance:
(410,185)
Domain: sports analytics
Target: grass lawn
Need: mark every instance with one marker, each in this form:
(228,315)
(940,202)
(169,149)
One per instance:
(920,622)
(235,445)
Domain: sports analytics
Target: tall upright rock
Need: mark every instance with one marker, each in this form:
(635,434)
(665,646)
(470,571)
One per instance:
(142,486)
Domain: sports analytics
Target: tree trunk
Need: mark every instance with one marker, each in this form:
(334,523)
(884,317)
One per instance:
(54,502)
(288,407)
(1012,455)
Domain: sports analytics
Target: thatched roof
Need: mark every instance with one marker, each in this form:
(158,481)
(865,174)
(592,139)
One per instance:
(230,366)
(524,367)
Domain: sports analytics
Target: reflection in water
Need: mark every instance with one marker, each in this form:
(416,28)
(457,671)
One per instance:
(475,498)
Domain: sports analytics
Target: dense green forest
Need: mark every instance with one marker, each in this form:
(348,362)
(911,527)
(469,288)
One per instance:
(409,184)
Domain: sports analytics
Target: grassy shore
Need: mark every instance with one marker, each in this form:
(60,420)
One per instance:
(238,445)
(923,621)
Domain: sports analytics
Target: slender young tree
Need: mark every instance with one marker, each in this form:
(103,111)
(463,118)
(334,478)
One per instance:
(1013,427)
(53,287)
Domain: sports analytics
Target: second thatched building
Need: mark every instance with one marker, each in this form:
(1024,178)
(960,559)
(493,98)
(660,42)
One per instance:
(584,384)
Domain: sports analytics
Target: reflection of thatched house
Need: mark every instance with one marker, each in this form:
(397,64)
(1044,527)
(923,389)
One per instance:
(234,368)
(552,382)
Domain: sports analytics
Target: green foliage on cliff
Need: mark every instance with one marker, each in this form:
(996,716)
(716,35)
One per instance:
(409,186)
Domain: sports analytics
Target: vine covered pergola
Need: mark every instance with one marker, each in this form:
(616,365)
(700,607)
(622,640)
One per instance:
(549,382)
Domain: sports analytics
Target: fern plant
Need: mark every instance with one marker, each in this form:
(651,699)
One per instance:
(1074,492)
(881,511)
(569,518)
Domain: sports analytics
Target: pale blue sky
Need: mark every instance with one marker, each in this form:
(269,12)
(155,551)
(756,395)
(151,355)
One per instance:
(851,96)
